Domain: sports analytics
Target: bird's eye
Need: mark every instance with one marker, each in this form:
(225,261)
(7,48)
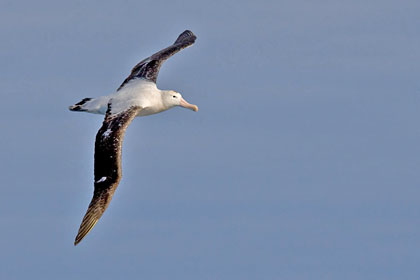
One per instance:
(174,96)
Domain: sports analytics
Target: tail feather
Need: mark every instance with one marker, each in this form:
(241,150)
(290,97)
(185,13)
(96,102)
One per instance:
(79,106)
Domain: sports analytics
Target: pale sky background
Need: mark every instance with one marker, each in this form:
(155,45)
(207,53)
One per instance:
(302,163)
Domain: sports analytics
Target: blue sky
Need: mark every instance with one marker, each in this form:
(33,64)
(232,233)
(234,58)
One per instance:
(302,163)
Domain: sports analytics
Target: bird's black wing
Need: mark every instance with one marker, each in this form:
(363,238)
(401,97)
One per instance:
(149,68)
(108,173)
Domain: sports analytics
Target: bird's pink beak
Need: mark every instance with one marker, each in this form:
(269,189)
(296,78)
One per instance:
(187,105)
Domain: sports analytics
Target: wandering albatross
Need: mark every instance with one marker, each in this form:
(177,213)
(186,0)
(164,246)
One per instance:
(137,96)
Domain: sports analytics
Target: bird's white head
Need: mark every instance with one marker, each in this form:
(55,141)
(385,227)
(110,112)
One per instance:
(172,98)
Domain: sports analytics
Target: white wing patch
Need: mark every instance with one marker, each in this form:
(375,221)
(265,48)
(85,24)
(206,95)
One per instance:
(101,180)
(107,133)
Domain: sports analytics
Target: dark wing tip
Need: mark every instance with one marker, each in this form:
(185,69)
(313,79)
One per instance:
(89,221)
(186,36)
(94,212)
(84,231)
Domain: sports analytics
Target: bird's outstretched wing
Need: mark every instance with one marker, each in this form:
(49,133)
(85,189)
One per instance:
(108,173)
(149,68)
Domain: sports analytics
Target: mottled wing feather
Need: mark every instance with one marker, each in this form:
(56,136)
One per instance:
(149,68)
(108,173)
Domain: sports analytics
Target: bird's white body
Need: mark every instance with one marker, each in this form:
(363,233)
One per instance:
(138,92)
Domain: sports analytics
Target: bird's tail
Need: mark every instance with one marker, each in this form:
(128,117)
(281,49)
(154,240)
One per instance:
(92,105)
(81,106)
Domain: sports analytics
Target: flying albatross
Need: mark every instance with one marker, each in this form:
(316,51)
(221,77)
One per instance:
(137,96)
